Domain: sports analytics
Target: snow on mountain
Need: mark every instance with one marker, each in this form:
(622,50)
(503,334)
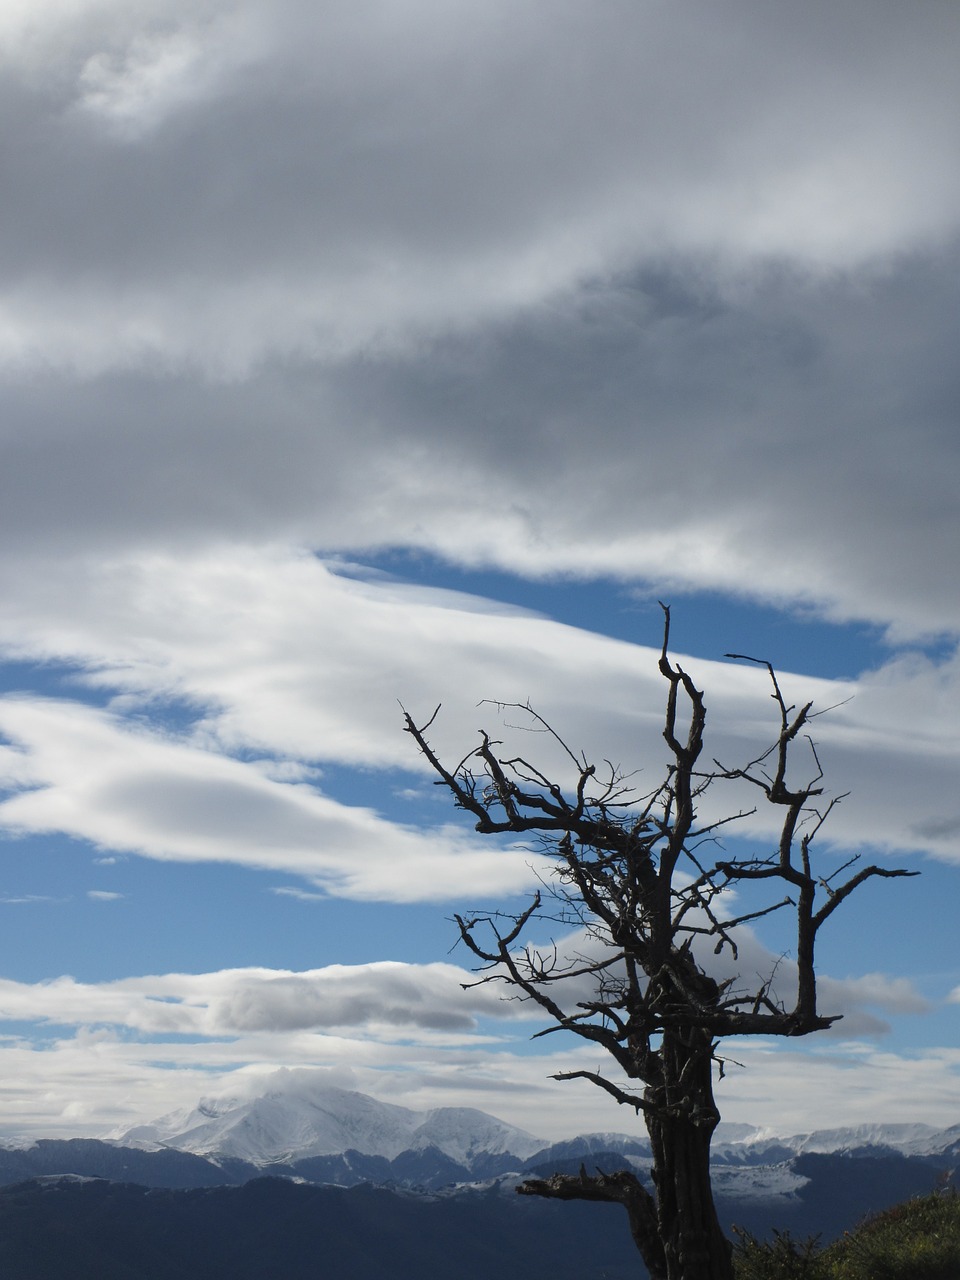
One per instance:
(464,1133)
(298,1115)
(905,1139)
(590,1144)
(765,1182)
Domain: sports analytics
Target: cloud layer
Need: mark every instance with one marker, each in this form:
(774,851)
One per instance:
(313,676)
(640,292)
(653,293)
(407,1033)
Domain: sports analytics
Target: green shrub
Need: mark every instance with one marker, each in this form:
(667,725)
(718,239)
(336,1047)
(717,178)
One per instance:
(917,1240)
(781,1258)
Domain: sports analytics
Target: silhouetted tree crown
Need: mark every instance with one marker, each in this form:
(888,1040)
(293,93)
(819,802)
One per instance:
(645,887)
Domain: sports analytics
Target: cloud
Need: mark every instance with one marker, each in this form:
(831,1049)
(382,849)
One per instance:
(104,895)
(444,449)
(842,1085)
(472,308)
(409,197)
(146,793)
(635,292)
(302,895)
(853,1001)
(25,898)
(406,1033)
(313,675)
(384,998)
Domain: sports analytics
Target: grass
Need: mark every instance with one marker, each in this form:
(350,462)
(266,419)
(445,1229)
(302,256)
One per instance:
(917,1240)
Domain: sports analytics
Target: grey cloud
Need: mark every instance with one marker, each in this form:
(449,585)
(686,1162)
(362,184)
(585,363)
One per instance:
(851,1000)
(936,829)
(625,289)
(247,1001)
(397,180)
(293,1003)
(459,130)
(793,442)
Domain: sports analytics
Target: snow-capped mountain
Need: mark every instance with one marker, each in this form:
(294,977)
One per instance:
(764,1147)
(299,1115)
(306,1133)
(907,1139)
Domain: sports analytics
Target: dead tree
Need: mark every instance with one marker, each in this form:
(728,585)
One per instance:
(631,875)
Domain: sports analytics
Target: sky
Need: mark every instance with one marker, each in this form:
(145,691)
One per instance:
(364,355)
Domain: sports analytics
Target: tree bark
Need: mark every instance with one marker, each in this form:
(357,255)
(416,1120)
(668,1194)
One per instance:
(681,1119)
(694,1245)
(677,1230)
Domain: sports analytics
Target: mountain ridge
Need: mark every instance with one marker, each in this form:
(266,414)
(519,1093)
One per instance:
(299,1116)
(296,1115)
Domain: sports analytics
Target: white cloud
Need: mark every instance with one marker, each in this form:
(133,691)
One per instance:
(302,895)
(845,1084)
(406,1033)
(314,673)
(125,788)
(27,898)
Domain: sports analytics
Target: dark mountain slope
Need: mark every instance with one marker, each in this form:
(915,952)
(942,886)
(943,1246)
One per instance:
(271,1228)
(96,1159)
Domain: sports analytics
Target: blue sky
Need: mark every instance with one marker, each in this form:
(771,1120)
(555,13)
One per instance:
(408,354)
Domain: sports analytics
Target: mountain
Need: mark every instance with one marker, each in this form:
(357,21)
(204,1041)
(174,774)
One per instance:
(417,1194)
(91,1229)
(762,1147)
(301,1129)
(91,1158)
(299,1116)
(94,1230)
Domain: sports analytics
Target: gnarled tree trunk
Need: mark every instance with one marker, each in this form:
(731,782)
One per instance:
(681,1120)
(676,1230)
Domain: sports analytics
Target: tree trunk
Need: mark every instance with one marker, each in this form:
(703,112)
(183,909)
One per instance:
(676,1231)
(694,1245)
(680,1128)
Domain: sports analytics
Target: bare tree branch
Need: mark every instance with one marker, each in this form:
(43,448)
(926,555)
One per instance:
(646,907)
